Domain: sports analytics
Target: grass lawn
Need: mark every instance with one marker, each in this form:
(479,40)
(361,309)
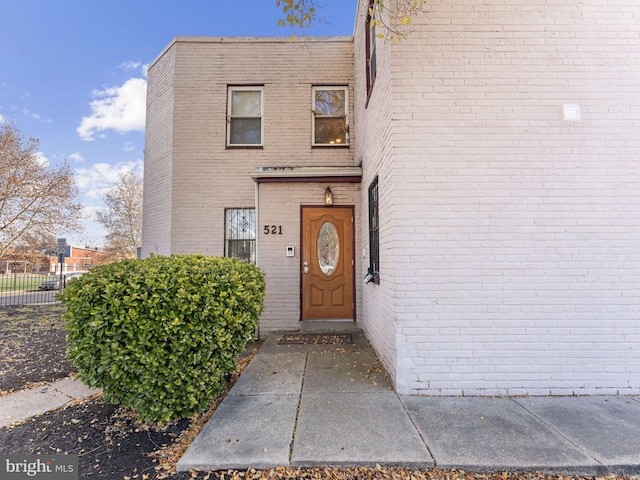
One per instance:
(20,283)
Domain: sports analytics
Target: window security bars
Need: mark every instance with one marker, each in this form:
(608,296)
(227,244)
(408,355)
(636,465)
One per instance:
(374,229)
(240,234)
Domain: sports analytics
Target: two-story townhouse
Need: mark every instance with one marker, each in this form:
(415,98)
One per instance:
(490,164)
(250,153)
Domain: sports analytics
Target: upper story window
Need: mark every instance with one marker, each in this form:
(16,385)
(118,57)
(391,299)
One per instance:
(371,36)
(245,126)
(330,116)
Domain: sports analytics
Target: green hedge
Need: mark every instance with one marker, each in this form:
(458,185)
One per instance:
(158,335)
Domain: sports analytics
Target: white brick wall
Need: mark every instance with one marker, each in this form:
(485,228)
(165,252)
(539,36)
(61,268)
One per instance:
(509,257)
(158,165)
(374,129)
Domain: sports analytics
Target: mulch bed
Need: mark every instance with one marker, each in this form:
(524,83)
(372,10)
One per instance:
(32,346)
(110,442)
(108,439)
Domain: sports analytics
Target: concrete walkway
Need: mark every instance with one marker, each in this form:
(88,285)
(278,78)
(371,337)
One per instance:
(29,403)
(316,405)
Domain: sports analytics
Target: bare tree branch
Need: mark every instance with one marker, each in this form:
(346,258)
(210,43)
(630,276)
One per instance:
(36,200)
(392,16)
(123,217)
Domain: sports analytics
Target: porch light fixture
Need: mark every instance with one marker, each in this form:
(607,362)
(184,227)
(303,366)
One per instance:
(328,197)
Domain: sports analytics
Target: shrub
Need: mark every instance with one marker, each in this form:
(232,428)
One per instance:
(158,335)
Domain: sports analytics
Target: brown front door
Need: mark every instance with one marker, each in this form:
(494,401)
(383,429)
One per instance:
(327,263)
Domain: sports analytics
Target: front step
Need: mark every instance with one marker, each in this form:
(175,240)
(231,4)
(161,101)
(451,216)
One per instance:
(327,326)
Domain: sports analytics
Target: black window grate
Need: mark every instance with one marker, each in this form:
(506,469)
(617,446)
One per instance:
(240,234)
(374,228)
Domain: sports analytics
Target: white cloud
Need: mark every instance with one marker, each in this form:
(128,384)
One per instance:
(91,213)
(36,116)
(116,108)
(96,180)
(27,113)
(77,157)
(129,147)
(130,65)
(135,65)
(41,159)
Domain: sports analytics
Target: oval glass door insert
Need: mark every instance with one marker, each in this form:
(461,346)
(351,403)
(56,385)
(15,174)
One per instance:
(328,248)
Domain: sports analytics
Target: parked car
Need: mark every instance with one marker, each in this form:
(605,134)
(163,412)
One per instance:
(53,283)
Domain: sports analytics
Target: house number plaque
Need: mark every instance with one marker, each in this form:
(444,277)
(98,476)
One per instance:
(272,230)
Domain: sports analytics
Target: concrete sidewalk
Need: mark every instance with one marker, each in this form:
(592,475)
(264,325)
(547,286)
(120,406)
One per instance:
(29,403)
(316,405)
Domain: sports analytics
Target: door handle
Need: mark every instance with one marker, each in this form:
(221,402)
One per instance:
(305,268)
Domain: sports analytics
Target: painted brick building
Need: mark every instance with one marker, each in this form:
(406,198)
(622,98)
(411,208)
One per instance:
(484,178)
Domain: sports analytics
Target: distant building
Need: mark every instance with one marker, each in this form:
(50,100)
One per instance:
(76,259)
(469,195)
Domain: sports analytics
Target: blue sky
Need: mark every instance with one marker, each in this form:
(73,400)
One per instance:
(72,74)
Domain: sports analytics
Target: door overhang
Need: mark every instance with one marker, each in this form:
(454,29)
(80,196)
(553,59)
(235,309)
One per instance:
(307,174)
